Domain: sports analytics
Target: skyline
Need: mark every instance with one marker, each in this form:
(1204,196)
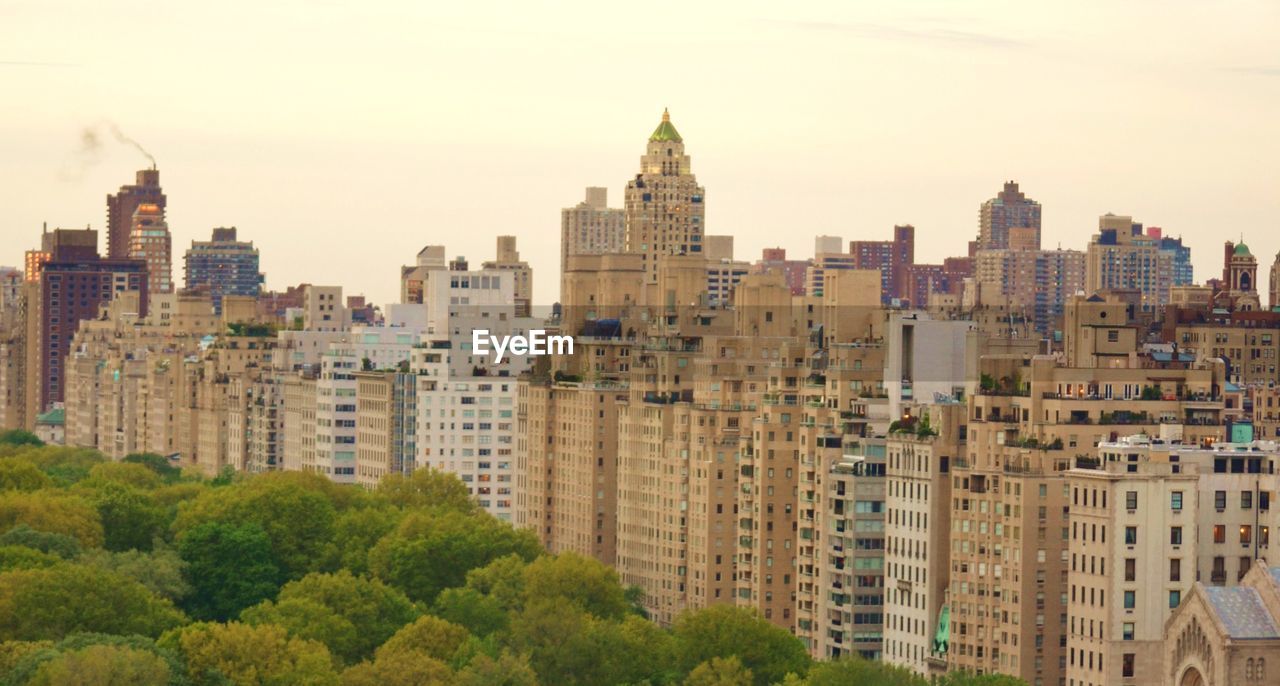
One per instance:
(446,163)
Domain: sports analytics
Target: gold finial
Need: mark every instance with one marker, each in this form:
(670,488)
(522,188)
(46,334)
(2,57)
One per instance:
(666,116)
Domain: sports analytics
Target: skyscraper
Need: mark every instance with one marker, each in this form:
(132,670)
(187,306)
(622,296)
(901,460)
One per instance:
(591,228)
(223,266)
(1008,210)
(1122,256)
(664,203)
(149,241)
(122,205)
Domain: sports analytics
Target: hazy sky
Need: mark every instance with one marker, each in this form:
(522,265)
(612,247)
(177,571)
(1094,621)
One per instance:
(341,137)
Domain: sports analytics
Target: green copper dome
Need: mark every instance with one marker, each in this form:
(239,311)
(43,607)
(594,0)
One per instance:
(1242,250)
(666,131)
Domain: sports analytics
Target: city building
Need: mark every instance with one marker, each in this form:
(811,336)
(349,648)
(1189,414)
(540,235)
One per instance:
(150,242)
(222,266)
(508,259)
(774,260)
(1010,209)
(1122,256)
(122,205)
(665,212)
(591,228)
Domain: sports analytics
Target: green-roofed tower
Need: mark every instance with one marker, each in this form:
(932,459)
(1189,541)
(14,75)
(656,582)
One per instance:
(666,131)
(664,203)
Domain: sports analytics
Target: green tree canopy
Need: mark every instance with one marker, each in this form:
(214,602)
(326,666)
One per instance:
(156,463)
(53,602)
(131,518)
(161,571)
(362,613)
(62,545)
(105,665)
(21,475)
(229,568)
(581,581)
(296,511)
(125,473)
(429,488)
(770,652)
(53,512)
(479,613)
(722,671)
(19,437)
(245,655)
(431,551)
(22,557)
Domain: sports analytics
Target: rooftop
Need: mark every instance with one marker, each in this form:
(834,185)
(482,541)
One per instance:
(1242,611)
(666,131)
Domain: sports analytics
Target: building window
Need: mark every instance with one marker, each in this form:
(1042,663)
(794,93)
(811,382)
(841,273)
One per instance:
(1246,534)
(1175,569)
(1130,600)
(1128,631)
(1175,500)
(1219,533)
(1127,669)
(1175,598)
(1219,500)
(1175,535)
(1246,500)
(1131,500)
(1131,535)
(1130,569)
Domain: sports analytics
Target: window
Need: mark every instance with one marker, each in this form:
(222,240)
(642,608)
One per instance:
(1130,569)
(1246,500)
(1128,631)
(1219,533)
(1130,600)
(1175,500)
(1131,500)
(1219,500)
(1175,598)
(1127,670)
(1175,535)
(1175,569)
(1131,535)
(1246,534)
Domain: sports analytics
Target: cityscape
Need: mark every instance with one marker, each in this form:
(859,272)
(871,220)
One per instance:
(916,465)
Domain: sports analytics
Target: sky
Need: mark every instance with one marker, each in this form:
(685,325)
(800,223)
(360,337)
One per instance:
(341,137)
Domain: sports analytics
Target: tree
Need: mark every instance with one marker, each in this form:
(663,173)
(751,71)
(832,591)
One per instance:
(62,545)
(20,475)
(131,519)
(501,580)
(582,581)
(229,568)
(356,531)
(294,509)
(156,463)
(22,557)
(855,670)
(568,646)
(245,655)
(429,636)
(506,670)
(161,571)
(52,512)
(721,671)
(400,669)
(362,613)
(724,630)
(429,552)
(75,661)
(53,602)
(427,487)
(105,666)
(19,437)
(125,473)
(479,613)
(64,465)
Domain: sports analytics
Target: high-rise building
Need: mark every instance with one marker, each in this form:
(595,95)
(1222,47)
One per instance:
(122,205)
(1010,209)
(150,241)
(1275,283)
(508,259)
(774,260)
(222,266)
(665,212)
(591,228)
(1122,257)
(1034,283)
(72,285)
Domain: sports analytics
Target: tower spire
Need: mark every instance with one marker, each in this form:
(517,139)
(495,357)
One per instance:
(666,115)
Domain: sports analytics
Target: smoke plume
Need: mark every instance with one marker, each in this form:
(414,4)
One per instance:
(91,149)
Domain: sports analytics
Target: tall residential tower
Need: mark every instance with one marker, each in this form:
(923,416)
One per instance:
(664,203)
